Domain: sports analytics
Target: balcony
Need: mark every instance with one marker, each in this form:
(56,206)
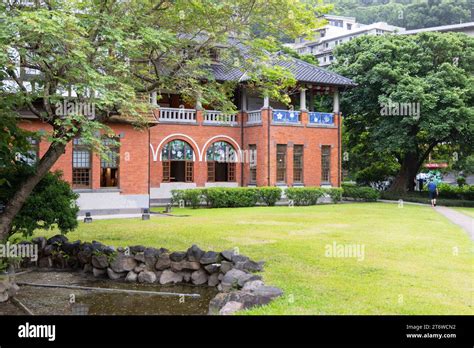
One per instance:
(321,119)
(218,118)
(177,115)
(254,117)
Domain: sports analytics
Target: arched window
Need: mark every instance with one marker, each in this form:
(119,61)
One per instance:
(221,158)
(177,157)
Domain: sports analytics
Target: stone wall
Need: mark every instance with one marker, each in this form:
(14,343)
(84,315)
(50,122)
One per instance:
(234,275)
(8,287)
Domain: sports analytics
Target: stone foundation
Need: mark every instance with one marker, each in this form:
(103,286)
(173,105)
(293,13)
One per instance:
(234,275)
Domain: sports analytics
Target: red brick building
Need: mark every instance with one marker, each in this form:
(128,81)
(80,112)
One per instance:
(187,146)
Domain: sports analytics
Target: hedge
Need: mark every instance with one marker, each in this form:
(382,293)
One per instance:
(465,192)
(360,193)
(422,197)
(226,197)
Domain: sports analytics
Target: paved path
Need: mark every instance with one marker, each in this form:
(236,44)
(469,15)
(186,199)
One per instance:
(460,219)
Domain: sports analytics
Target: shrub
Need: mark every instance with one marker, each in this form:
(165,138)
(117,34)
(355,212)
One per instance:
(304,195)
(269,195)
(335,194)
(461,181)
(466,192)
(224,197)
(193,197)
(176,196)
(422,197)
(362,193)
(51,204)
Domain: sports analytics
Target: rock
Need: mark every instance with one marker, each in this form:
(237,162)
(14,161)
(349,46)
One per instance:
(48,250)
(163,262)
(13,290)
(140,268)
(147,277)
(226,266)
(123,263)
(213,279)
(40,241)
(239,258)
(100,261)
(131,277)
(177,256)
(97,246)
(213,268)
(217,303)
(84,256)
(140,257)
(210,257)
(194,253)
(114,275)
(267,292)
(253,266)
(168,277)
(71,248)
(151,256)
(57,239)
(227,254)
(4,283)
(97,272)
(87,268)
(231,279)
(3,296)
(220,276)
(247,278)
(136,249)
(185,265)
(199,277)
(108,250)
(252,285)
(45,262)
(246,298)
(186,276)
(231,307)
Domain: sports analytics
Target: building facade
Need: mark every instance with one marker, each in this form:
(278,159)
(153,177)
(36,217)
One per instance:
(266,143)
(338,30)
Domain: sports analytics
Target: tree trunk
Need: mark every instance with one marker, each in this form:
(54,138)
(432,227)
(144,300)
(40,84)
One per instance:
(405,178)
(14,205)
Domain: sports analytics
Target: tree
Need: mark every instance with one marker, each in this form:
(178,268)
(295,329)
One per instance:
(112,53)
(431,71)
(407,13)
(51,204)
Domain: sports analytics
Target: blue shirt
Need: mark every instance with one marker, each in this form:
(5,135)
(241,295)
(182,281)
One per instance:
(432,187)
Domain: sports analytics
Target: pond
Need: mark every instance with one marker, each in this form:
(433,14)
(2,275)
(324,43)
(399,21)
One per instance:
(65,301)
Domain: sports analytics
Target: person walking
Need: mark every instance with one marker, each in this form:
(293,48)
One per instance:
(433,192)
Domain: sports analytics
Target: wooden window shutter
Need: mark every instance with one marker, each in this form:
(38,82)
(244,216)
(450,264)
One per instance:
(211,171)
(189,171)
(166,171)
(231,171)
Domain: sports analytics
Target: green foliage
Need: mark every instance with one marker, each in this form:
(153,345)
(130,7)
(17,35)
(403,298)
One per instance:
(432,70)
(360,193)
(465,192)
(304,195)
(410,14)
(52,204)
(269,195)
(461,181)
(335,193)
(422,197)
(223,197)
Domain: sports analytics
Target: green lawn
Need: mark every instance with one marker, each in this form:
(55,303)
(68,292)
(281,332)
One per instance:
(466,211)
(410,265)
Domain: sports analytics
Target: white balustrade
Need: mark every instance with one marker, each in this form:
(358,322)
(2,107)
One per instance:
(218,117)
(254,117)
(177,115)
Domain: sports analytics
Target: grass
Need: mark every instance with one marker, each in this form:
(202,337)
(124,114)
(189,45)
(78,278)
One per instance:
(416,261)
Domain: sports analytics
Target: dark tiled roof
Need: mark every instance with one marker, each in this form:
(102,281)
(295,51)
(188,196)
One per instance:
(303,72)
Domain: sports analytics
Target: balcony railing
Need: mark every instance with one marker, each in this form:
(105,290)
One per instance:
(177,115)
(254,117)
(219,118)
(321,118)
(286,116)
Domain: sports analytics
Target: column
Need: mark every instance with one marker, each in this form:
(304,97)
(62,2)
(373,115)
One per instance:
(335,103)
(303,99)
